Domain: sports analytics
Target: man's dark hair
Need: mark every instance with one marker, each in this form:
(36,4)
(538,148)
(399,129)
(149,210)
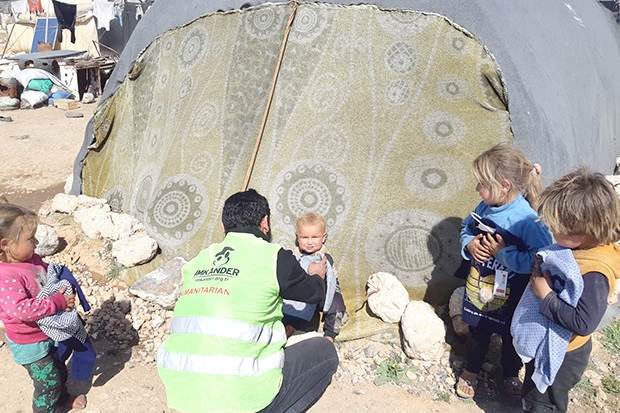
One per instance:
(244,209)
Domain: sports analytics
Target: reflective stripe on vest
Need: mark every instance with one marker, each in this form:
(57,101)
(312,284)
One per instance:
(221,327)
(228,344)
(220,365)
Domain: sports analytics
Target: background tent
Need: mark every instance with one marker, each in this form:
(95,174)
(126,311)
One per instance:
(369,114)
(121,28)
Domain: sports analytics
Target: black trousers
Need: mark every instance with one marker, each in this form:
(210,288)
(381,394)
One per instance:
(480,339)
(555,398)
(49,376)
(308,369)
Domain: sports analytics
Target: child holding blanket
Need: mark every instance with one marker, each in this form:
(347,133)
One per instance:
(570,286)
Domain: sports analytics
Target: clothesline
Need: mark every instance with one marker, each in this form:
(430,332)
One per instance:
(104,11)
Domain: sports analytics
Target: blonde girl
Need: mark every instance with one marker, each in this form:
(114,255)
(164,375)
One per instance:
(499,238)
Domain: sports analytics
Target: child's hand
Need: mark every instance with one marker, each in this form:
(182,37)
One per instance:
(479,252)
(290,330)
(540,282)
(494,243)
(69,299)
(536,271)
(318,268)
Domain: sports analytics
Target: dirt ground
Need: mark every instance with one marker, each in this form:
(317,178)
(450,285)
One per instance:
(38,150)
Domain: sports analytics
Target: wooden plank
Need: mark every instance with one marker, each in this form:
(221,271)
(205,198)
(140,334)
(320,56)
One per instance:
(66,104)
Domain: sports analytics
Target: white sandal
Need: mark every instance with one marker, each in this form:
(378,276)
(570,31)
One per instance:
(470,385)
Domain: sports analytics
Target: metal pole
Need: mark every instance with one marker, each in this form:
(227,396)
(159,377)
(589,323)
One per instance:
(47,15)
(7,40)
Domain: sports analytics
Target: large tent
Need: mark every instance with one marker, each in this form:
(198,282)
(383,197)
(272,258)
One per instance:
(367,113)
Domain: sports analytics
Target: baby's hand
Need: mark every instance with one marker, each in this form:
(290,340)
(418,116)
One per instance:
(318,268)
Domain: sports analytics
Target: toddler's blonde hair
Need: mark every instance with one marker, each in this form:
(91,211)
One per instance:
(310,218)
(582,203)
(506,161)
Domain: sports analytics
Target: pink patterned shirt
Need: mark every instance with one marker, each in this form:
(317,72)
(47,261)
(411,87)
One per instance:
(19,307)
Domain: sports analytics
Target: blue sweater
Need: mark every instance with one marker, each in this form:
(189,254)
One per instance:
(524,235)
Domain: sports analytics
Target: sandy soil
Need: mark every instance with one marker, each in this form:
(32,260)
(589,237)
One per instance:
(38,150)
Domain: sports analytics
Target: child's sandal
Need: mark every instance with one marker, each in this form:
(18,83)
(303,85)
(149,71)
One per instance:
(513,387)
(466,388)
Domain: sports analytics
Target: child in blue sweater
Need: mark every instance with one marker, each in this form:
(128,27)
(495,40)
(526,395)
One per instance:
(500,238)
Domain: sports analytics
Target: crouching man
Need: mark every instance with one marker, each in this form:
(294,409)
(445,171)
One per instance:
(226,350)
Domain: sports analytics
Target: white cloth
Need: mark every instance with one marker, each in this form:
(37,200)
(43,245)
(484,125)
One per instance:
(104,13)
(25,76)
(34,97)
(20,6)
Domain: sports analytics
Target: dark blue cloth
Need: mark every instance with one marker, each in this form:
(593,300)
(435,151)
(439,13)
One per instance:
(508,238)
(84,357)
(67,275)
(65,14)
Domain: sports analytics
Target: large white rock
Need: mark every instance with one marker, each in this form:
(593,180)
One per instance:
(163,285)
(117,226)
(134,250)
(64,203)
(85,201)
(48,240)
(387,296)
(68,204)
(423,332)
(90,219)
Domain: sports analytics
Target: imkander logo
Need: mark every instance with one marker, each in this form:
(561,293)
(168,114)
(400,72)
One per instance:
(222,257)
(218,271)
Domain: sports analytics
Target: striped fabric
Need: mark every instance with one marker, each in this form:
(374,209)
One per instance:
(63,324)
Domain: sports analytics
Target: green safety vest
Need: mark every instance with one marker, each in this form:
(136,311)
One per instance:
(225,349)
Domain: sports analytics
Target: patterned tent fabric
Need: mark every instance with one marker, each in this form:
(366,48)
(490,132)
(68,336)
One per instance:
(369,110)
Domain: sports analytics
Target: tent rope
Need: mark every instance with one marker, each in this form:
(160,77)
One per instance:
(248,174)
